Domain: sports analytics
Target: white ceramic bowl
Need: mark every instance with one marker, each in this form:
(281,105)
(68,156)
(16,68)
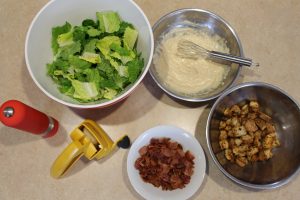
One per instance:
(55,13)
(188,142)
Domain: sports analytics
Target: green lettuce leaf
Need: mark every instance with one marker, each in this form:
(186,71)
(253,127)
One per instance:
(65,39)
(93,75)
(104,44)
(89,22)
(56,31)
(134,69)
(91,57)
(92,32)
(79,34)
(106,68)
(130,37)
(85,90)
(123,54)
(78,64)
(91,46)
(65,51)
(109,21)
(123,26)
(110,93)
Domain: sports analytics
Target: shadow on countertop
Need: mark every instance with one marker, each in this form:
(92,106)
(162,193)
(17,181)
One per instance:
(126,178)
(165,98)
(97,113)
(10,137)
(80,164)
(137,104)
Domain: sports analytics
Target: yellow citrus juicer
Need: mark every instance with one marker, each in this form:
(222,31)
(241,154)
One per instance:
(89,140)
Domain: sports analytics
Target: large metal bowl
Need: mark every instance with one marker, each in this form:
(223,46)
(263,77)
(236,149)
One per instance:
(285,113)
(201,19)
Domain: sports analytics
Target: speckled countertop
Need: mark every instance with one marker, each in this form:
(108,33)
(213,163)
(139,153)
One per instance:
(270,33)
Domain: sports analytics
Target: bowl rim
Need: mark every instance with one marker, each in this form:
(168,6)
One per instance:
(234,179)
(98,105)
(178,11)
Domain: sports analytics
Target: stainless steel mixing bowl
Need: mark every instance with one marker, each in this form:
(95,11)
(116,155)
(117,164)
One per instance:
(199,19)
(285,113)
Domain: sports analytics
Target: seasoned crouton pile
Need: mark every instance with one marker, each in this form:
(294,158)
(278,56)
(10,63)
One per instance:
(247,135)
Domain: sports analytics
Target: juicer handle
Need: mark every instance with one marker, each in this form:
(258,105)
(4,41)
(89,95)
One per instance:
(67,158)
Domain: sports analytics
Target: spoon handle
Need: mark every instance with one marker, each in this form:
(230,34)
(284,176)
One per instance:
(235,59)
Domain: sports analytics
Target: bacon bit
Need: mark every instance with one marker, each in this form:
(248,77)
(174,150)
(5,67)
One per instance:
(143,150)
(163,163)
(174,161)
(173,145)
(166,152)
(189,155)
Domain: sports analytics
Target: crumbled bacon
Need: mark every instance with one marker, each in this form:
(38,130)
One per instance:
(163,163)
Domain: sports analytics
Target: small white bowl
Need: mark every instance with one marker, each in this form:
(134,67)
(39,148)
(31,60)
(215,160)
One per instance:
(188,142)
(55,13)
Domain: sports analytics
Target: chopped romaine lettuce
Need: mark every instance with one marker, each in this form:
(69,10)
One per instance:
(122,70)
(95,60)
(65,39)
(89,22)
(56,31)
(130,36)
(65,51)
(134,69)
(79,34)
(91,46)
(109,21)
(92,32)
(109,93)
(91,57)
(78,64)
(104,44)
(85,90)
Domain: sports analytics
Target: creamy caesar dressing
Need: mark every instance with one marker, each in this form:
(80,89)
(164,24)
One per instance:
(185,75)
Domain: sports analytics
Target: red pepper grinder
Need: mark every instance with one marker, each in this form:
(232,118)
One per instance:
(18,115)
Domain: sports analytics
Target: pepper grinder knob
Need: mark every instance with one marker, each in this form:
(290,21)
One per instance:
(8,112)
